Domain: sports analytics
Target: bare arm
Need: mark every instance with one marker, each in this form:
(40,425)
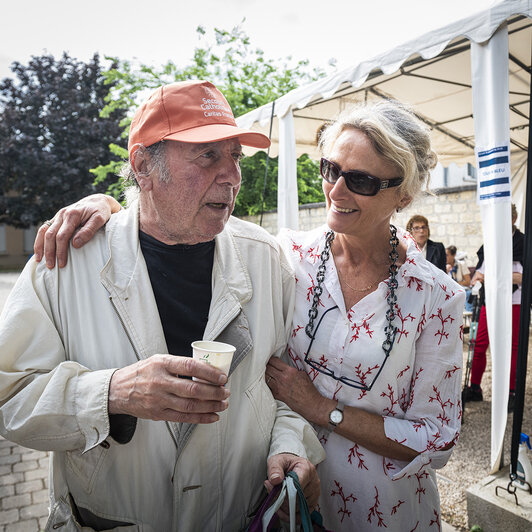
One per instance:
(466,281)
(296,389)
(477,276)
(78,222)
(517,278)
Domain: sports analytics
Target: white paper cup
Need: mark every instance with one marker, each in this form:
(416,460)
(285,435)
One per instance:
(216,354)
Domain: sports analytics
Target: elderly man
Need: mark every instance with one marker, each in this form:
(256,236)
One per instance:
(96,362)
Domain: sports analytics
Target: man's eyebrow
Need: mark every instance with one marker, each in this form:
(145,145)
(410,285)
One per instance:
(203,146)
(207,145)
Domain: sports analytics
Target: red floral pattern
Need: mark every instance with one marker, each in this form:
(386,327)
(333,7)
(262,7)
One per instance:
(339,493)
(417,391)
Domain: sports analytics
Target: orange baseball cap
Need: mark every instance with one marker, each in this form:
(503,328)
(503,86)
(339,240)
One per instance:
(188,111)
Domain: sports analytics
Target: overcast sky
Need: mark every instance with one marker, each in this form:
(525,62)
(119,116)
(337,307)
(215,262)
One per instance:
(158,30)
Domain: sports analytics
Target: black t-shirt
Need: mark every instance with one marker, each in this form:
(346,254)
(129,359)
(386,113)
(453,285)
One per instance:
(180,276)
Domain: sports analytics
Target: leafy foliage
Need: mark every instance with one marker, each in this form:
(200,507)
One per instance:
(246,78)
(51,134)
(249,199)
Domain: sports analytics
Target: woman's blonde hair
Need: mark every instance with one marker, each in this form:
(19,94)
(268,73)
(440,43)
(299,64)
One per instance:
(395,133)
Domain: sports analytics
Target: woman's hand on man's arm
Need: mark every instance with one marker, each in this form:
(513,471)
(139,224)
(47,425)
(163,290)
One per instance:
(294,387)
(78,222)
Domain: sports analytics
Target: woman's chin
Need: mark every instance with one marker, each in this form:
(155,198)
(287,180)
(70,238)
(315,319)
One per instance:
(341,222)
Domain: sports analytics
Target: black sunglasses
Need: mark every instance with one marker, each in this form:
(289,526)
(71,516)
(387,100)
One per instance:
(357,182)
(322,368)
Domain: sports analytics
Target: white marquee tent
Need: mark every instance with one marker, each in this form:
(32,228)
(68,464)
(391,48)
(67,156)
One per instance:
(476,67)
(432,73)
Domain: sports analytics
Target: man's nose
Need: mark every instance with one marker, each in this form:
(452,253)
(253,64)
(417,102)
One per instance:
(229,172)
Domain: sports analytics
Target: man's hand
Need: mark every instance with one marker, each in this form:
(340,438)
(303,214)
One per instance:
(279,464)
(154,389)
(81,219)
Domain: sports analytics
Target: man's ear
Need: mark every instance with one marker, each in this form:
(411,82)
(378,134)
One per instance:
(141,165)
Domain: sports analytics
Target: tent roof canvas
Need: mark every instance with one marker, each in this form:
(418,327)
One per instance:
(432,73)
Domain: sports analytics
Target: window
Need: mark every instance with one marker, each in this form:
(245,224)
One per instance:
(29,237)
(3,248)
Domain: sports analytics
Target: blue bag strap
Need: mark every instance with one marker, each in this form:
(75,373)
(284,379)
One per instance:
(291,488)
(304,512)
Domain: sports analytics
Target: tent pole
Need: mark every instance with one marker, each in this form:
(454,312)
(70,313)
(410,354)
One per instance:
(524,317)
(266,170)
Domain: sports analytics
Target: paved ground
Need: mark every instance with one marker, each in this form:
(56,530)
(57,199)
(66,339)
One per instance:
(23,488)
(24,472)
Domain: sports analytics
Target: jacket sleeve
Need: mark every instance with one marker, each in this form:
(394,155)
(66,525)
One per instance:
(442,262)
(431,424)
(291,432)
(47,402)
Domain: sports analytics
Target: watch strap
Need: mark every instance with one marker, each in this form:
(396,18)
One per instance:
(340,407)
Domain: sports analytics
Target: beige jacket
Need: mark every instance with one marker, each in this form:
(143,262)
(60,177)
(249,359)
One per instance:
(64,332)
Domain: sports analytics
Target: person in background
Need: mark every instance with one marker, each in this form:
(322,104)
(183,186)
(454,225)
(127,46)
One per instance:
(473,392)
(418,227)
(96,362)
(376,348)
(457,269)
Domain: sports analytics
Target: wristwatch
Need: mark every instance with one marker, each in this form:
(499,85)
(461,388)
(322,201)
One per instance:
(336,416)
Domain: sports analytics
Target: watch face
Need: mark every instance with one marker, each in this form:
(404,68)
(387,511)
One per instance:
(336,417)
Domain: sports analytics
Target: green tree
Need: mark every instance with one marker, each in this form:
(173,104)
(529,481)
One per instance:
(51,134)
(249,199)
(248,80)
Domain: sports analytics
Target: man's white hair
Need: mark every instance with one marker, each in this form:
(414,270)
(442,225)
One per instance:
(157,154)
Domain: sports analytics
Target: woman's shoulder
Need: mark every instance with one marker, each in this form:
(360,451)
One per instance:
(303,236)
(420,268)
(299,245)
(446,291)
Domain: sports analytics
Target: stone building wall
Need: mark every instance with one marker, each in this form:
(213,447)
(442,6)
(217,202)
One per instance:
(453,215)
(13,254)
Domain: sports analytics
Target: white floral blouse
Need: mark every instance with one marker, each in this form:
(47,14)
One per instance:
(417,391)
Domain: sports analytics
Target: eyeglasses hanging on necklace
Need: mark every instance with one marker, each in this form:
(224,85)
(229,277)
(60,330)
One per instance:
(389,330)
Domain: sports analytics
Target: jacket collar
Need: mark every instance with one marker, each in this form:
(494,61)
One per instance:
(124,249)
(231,287)
(125,272)
(125,276)
(125,256)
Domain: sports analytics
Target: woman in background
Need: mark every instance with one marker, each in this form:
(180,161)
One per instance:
(418,227)
(478,366)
